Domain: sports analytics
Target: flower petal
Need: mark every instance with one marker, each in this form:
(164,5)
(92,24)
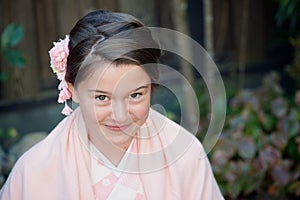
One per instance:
(67,110)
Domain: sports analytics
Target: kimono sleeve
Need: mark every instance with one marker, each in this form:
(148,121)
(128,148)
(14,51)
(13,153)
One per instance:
(12,189)
(199,181)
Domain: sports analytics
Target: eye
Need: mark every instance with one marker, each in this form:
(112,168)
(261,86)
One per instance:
(102,98)
(136,95)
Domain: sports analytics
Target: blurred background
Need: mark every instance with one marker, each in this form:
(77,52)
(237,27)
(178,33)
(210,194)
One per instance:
(255,44)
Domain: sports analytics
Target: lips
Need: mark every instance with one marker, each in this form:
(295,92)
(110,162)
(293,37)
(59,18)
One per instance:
(117,128)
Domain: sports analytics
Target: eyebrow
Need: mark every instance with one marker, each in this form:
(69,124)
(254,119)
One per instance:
(105,92)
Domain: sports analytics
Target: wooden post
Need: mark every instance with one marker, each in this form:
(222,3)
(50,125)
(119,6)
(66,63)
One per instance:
(208,27)
(181,24)
(69,11)
(209,37)
(46,23)
(243,44)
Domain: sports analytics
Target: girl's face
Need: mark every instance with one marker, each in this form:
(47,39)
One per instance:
(114,102)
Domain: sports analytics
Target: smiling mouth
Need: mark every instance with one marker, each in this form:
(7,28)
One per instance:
(117,128)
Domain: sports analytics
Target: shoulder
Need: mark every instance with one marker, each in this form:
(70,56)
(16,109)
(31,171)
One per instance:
(45,151)
(187,161)
(176,138)
(171,130)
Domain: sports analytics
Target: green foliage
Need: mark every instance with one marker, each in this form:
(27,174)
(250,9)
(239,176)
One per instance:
(10,38)
(287,18)
(14,58)
(7,139)
(294,69)
(288,11)
(259,149)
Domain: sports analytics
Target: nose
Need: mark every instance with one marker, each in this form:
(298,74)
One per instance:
(119,112)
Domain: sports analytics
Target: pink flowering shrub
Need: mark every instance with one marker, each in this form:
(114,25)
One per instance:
(259,149)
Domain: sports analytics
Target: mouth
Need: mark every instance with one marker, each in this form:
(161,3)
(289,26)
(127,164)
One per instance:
(117,128)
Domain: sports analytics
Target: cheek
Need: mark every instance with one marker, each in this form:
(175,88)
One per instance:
(139,113)
(89,113)
(92,112)
(101,114)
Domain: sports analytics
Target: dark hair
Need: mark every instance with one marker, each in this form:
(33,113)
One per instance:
(107,36)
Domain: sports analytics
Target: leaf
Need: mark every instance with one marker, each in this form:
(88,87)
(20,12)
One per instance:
(254,131)
(293,123)
(279,107)
(234,187)
(232,174)
(254,180)
(1,133)
(269,156)
(287,12)
(297,140)
(246,148)
(171,115)
(236,121)
(219,160)
(267,121)
(295,188)
(12,133)
(226,145)
(279,140)
(234,190)
(11,36)
(3,77)
(14,58)
(246,95)
(290,124)
(280,173)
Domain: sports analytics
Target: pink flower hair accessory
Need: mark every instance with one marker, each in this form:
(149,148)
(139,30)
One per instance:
(58,63)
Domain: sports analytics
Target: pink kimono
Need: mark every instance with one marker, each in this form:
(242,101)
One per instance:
(164,162)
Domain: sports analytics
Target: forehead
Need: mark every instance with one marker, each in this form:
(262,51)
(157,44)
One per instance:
(120,78)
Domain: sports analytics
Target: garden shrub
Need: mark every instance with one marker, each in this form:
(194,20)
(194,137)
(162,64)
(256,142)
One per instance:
(259,149)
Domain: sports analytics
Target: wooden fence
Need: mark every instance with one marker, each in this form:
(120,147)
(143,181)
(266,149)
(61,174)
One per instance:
(44,21)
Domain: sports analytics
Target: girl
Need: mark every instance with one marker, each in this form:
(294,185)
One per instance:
(113,146)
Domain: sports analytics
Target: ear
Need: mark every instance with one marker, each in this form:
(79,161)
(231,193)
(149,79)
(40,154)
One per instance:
(73,92)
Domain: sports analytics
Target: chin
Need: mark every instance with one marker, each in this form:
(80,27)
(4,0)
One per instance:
(121,142)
